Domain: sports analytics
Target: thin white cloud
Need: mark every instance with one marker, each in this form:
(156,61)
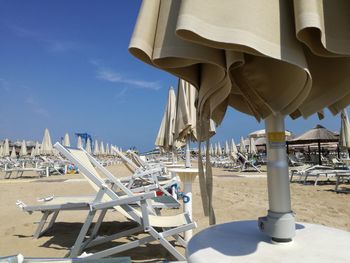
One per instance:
(115,77)
(52,45)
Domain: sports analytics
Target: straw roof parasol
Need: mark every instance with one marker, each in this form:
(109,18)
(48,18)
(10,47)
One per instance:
(318,133)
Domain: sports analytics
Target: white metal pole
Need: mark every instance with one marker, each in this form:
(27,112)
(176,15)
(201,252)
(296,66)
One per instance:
(187,154)
(188,205)
(280,222)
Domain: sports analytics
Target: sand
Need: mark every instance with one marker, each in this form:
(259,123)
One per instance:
(237,196)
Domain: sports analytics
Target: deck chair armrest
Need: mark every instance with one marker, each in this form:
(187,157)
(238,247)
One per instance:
(22,206)
(147,188)
(122,201)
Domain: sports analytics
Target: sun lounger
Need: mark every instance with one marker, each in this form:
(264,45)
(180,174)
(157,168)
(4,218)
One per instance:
(148,223)
(245,163)
(19,171)
(142,176)
(21,259)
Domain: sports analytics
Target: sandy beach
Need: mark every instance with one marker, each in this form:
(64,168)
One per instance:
(237,196)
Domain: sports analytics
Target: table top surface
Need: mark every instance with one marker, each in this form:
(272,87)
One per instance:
(241,241)
(184,170)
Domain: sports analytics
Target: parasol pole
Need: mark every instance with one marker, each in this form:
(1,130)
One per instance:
(279,223)
(187,154)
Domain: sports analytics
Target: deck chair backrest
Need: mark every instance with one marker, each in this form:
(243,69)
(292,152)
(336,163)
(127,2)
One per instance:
(137,159)
(129,163)
(79,158)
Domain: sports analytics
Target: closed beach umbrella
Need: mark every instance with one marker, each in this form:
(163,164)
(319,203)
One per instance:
(252,146)
(211,150)
(13,152)
(32,153)
(344,136)
(96,149)
(46,145)
(88,146)
(227,148)
(66,140)
(242,148)
(102,149)
(302,46)
(23,150)
(215,149)
(1,151)
(37,149)
(107,149)
(165,136)
(79,142)
(219,149)
(6,151)
(233,149)
(185,128)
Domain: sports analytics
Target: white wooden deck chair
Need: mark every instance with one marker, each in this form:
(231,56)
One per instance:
(245,163)
(145,176)
(148,223)
(164,201)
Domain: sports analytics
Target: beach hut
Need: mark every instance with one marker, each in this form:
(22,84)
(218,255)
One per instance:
(301,46)
(46,145)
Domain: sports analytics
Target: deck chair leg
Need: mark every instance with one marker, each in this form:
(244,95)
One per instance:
(53,219)
(96,228)
(121,248)
(78,243)
(166,244)
(337,184)
(42,222)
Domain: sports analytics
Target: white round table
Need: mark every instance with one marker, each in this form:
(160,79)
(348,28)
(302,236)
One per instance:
(241,241)
(187,176)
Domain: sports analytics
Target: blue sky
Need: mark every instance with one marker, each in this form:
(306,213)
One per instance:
(64,65)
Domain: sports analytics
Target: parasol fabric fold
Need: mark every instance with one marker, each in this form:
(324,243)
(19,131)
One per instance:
(256,66)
